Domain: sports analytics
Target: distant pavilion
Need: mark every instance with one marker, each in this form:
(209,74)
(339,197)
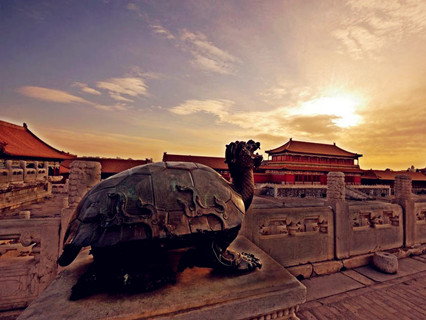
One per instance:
(300,162)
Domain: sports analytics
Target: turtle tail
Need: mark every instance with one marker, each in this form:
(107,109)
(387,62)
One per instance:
(68,255)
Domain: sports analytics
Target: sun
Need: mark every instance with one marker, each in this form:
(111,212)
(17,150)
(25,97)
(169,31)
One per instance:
(342,107)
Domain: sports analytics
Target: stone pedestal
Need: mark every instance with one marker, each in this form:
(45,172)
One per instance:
(269,293)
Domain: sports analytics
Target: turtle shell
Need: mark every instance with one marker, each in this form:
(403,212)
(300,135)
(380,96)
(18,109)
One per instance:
(156,200)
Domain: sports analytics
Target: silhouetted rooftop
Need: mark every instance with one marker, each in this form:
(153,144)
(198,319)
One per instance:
(303,147)
(18,141)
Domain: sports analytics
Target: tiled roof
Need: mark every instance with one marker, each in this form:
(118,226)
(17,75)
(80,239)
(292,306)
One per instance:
(390,175)
(19,141)
(217,163)
(109,165)
(313,148)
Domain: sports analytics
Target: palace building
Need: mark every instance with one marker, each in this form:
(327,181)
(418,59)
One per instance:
(300,162)
(26,166)
(25,155)
(388,177)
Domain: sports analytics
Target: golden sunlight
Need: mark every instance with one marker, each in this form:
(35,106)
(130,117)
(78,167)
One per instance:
(342,107)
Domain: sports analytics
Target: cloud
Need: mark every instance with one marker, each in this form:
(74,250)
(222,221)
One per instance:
(52,95)
(117,107)
(287,91)
(158,29)
(118,97)
(59,96)
(218,108)
(392,132)
(314,125)
(374,25)
(276,122)
(206,55)
(121,89)
(85,88)
(129,86)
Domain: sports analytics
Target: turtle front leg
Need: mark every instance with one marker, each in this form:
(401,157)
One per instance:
(228,260)
(215,254)
(235,262)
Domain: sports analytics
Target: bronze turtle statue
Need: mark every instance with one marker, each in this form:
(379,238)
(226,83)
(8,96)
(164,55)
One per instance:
(134,218)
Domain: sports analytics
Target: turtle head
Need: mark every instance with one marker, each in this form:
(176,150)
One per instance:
(240,154)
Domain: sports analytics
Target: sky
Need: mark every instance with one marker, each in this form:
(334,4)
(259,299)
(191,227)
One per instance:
(140,78)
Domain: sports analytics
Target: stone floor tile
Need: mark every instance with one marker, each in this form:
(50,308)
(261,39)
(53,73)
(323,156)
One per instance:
(324,313)
(408,301)
(420,258)
(381,302)
(358,277)
(402,298)
(406,266)
(324,286)
(306,315)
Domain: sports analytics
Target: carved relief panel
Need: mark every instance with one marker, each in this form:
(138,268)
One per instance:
(367,219)
(421,216)
(286,226)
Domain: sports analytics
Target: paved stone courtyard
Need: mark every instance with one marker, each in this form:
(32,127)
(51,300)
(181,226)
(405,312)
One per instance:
(47,208)
(364,293)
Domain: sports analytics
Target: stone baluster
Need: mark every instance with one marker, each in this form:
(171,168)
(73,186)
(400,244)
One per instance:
(37,177)
(404,197)
(335,187)
(23,165)
(46,169)
(9,170)
(403,187)
(336,194)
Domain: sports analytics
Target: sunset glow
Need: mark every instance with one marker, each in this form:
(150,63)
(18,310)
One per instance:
(342,107)
(138,78)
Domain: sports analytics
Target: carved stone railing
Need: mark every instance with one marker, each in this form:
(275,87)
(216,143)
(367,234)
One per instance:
(337,229)
(373,227)
(14,195)
(23,171)
(292,236)
(23,276)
